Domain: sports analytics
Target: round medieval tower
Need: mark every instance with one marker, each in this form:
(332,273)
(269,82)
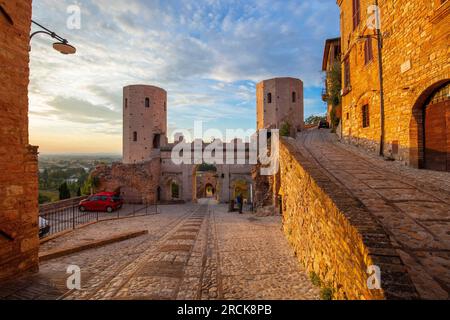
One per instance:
(144,122)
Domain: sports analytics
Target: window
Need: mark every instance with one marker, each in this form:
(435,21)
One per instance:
(368,51)
(365,116)
(347,83)
(165,106)
(348,116)
(356,13)
(294,96)
(156,141)
(134,136)
(147,102)
(126,103)
(269,98)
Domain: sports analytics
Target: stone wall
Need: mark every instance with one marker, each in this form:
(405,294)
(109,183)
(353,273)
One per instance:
(58,205)
(140,179)
(334,236)
(415,62)
(19,240)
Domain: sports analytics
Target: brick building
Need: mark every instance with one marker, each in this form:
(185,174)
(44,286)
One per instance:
(331,57)
(19,240)
(416,79)
(280,101)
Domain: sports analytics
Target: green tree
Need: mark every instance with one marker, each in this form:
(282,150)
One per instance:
(315,119)
(90,185)
(334,87)
(64,192)
(285,130)
(79,192)
(44,199)
(334,84)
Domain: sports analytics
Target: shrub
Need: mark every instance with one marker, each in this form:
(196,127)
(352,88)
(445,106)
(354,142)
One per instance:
(285,130)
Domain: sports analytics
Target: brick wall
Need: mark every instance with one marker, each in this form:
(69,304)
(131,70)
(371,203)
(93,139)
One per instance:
(334,236)
(283,108)
(415,62)
(19,241)
(146,122)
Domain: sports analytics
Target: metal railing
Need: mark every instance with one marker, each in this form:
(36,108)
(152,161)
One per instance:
(70,217)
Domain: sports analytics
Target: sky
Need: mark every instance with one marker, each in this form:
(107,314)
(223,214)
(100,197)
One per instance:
(207,54)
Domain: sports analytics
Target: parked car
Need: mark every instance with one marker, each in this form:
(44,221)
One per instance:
(44,227)
(323,124)
(105,201)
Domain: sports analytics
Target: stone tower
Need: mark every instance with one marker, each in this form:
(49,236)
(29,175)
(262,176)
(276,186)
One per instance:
(144,122)
(278,101)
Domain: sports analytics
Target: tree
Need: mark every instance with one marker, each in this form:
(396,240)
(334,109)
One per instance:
(90,185)
(315,119)
(64,192)
(285,130)
(45,178)
(43,198)
(79,192)
(334,84)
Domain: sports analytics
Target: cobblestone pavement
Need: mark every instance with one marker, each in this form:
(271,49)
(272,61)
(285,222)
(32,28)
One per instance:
(413,205)
(191,252)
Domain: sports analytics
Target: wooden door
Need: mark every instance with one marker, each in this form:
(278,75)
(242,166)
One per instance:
(437,136)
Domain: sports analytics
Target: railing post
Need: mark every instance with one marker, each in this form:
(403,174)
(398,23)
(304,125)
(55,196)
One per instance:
(73,217)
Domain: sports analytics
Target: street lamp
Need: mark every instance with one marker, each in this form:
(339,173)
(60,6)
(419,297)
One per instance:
(61,46)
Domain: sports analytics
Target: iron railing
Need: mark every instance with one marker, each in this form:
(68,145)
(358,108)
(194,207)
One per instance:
(70,217)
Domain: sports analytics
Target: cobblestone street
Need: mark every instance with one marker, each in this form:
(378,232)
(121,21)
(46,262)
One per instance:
(412,205)
(191,252)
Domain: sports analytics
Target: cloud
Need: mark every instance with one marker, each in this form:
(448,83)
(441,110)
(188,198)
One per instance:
(207,54)
(78,110)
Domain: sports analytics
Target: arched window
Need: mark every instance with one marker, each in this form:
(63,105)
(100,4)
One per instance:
(269,97)
(135,136)
(147,102)
(175,190)
(294,96)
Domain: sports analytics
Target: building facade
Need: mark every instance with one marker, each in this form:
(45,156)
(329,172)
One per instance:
(331,66)
(415,62)
(19,242)
(279,101)
(149,174)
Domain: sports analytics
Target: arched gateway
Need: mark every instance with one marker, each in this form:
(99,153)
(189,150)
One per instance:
(430,128)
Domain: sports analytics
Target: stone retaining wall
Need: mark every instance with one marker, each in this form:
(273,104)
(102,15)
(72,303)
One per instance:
(333,234)
(67,203)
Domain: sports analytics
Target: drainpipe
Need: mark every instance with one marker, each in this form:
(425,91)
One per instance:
(380,74)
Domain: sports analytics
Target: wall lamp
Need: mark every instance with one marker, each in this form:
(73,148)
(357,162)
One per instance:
(61,46)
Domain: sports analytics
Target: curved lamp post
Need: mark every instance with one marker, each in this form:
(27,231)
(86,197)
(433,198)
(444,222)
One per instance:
(61,46)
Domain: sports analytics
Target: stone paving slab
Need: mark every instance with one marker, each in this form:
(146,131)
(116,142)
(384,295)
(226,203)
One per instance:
(191,251)
(412,205)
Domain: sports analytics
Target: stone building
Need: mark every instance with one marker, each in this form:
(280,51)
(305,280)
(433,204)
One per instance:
(19,242)
(149,174)
(144,124)
(416,79)
(331,57)
(279,101)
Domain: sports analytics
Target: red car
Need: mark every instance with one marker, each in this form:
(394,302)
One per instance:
(104,201)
